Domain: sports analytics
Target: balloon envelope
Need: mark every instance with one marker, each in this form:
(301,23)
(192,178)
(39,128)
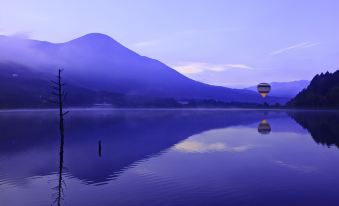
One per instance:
(264,89)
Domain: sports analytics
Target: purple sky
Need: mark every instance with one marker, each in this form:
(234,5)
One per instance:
(233,43)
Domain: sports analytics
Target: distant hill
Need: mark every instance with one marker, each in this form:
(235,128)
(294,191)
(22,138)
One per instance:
(323,91)
(285,89)
(22,87)
(98,63)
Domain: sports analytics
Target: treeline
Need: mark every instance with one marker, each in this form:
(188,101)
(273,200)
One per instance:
(323,92)
(24,88)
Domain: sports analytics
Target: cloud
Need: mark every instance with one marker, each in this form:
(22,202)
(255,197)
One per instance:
(198,67)
(303,45)
(192,146)
(239,66)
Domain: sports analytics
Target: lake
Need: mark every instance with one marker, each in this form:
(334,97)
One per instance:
(170,157)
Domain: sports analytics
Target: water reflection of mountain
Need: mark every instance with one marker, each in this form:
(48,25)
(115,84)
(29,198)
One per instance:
(30,140)
(322,125)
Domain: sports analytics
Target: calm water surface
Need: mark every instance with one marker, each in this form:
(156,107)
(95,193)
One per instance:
(170,157)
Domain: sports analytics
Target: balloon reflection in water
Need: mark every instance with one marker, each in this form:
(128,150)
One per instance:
(264,127)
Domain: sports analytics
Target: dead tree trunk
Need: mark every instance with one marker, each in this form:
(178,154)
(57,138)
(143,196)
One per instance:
(60,97)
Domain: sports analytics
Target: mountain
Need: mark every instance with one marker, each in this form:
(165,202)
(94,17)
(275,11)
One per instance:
(98,63)
(285,89)
(323,91)
(23,88)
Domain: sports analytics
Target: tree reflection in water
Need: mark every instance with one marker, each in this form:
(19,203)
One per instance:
(60,97)
(323,126)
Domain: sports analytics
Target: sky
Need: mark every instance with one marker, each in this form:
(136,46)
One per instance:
(234,43)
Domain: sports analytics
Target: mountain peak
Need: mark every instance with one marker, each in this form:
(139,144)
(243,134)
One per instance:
(95,38)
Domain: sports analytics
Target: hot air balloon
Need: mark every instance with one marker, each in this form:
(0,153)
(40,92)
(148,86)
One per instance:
(264,89)
(264,127)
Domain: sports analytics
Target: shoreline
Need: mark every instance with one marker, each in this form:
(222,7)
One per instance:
(167,109)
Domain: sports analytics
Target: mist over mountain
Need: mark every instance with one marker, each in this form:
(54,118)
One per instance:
(285,89)
(98,63)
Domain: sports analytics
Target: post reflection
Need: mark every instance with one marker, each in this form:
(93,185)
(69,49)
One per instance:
(99,148)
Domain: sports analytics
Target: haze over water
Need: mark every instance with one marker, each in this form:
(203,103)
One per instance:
(170,157)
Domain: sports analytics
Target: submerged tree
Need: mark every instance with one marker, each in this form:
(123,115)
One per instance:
(60,96)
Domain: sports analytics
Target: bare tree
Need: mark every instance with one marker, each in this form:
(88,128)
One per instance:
(60,95)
